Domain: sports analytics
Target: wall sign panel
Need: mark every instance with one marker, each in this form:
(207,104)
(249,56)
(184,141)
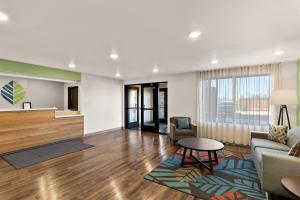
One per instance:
(13,92)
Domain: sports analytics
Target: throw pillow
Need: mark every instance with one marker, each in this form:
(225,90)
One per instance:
(183,123)
(295,150)
(278,133)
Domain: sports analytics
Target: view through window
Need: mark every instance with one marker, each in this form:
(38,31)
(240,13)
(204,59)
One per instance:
(239,100)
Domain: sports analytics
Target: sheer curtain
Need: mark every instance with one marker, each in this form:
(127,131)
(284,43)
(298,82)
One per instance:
(232,102)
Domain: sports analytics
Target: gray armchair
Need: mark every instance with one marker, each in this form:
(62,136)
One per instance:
(177,134)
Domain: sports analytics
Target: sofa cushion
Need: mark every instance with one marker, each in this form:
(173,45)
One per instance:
(295,150)
(184,132)
(293,136)
(256,142)
(278,133)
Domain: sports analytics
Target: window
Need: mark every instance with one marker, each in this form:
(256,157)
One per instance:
(239,100)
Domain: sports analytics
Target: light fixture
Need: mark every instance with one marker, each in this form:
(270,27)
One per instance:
(72,65)
(3,17)
(215,61)
(194,35)
(118,74)
(278,52)
(155,70)
(284,98)
(114,56)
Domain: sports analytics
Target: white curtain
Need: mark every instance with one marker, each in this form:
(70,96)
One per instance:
(232,102)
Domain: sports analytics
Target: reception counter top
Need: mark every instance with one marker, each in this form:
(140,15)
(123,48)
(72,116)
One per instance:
(58,113)
(65,116)
(23,110)
(21,129)
(67,113)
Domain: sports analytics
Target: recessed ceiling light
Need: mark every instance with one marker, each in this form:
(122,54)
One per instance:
(114,56)
(72,65)
(194,35)
(3,17)
(278,52)
(215,61)
(155,70)
(118,74)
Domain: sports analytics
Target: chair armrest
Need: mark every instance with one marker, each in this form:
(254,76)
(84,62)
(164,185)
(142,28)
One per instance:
(274,168)
(194,129)
(259,135)
(172,130)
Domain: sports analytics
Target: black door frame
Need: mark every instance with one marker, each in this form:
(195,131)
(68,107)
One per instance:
(165,120)
(127,123)
(144,127)
(141,111)
(71,98)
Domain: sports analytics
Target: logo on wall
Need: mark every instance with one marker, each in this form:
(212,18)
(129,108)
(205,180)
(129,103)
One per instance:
(13,92)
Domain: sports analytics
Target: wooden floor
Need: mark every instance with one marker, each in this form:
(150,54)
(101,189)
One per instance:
(113,169)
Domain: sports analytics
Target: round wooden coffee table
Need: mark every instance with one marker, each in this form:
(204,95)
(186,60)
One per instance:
(201,144)
(292,184)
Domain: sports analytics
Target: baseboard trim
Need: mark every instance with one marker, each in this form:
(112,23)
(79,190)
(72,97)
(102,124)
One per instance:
(103,131)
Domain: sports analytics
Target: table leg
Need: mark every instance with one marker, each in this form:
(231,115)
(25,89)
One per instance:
(216,157)
(183,156)
(191,153)
(210,162)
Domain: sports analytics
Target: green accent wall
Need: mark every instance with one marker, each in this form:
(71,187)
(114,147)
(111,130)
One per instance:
(13,67)
(298,91)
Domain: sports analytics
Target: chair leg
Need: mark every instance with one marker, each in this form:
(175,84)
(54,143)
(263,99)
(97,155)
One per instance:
(268,196)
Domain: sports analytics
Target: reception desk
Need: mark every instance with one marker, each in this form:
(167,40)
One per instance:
(20,129)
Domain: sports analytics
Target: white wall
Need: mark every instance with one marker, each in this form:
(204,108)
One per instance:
(41,93)
(101,99)
(101,103)
(182,92)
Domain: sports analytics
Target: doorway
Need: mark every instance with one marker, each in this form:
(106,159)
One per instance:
(146,107)
(149,108)
(73,98)
(132,106)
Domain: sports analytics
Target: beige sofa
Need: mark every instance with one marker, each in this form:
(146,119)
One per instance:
(272,161)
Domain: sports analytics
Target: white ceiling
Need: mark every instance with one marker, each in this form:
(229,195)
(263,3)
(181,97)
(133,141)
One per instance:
(149,32)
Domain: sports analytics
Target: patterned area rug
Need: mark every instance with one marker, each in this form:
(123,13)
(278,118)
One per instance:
(235,177)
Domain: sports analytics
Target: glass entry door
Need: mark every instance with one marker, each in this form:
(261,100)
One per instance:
(163,105)
(149,107)
(132,106)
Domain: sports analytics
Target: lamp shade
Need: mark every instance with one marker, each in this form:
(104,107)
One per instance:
(284,97)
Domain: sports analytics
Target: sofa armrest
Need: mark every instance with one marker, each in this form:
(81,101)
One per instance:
(259,135)
(274,168)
